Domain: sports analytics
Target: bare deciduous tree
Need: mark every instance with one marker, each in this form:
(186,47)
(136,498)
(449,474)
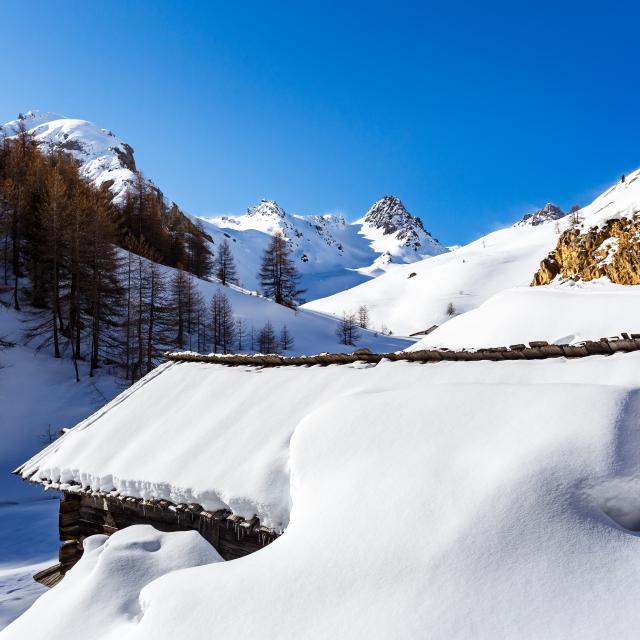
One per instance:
(286,339)
(267,341)
(363,316)
(348,331)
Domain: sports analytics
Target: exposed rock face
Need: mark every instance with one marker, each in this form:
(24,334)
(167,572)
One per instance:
(611,250)
(390,216)
(268,209)
(548,213)
(125,154)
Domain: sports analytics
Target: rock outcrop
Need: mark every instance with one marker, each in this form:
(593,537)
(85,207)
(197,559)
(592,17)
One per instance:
(548,213)
(611,249)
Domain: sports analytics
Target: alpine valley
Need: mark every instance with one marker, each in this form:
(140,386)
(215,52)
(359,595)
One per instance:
(382,283)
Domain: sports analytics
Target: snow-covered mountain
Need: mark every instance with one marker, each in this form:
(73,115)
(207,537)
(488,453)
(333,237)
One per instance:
(103,157)
(548,213)
(398,236)
(451,290)
(330,253)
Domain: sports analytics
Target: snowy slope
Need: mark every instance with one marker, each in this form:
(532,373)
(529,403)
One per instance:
(451,500)
(103,157)
(330,253)
(557,314)
(313,332)
(38,393)
(29,542)
(620,200)
(415,297)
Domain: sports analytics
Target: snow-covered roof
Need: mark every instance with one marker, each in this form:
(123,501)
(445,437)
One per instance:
(453,500)
(198,431)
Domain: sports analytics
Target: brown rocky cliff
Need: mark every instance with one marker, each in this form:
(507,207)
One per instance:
(612,250)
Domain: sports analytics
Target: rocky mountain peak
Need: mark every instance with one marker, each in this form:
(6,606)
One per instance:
(388,218)
(548,213)
(267,209)
(103,157)
(390,215)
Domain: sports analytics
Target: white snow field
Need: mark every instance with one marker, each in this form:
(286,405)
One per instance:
(448,500)
(123,564)
(29,543)
(559,314)
(414,297)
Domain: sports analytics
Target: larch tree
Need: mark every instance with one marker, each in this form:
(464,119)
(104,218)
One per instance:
(347,331)
(200,254)
(363,316)
(222,322)
(278,274)
(179,301)
(241,335)
(267,340)
(286,339)
(224,264)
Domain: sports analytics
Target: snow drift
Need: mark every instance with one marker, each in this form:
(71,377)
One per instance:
(558,314)
(105,585)
(449,500)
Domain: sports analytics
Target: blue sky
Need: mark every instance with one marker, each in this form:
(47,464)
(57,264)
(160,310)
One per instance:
(471,113)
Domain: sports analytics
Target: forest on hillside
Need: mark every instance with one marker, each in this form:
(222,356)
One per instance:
(91,276)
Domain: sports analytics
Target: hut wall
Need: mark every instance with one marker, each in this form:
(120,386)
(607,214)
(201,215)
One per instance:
(83,515)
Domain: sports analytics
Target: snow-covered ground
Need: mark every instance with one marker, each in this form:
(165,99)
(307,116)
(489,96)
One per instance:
(38,397)
(29,543)
(312,331)
(560,314)
(448,500)
(107,563)
(414,297)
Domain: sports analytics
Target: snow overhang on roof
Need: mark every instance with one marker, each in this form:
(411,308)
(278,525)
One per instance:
(216,431)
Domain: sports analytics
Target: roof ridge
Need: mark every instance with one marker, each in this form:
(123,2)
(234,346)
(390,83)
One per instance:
(535,350)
